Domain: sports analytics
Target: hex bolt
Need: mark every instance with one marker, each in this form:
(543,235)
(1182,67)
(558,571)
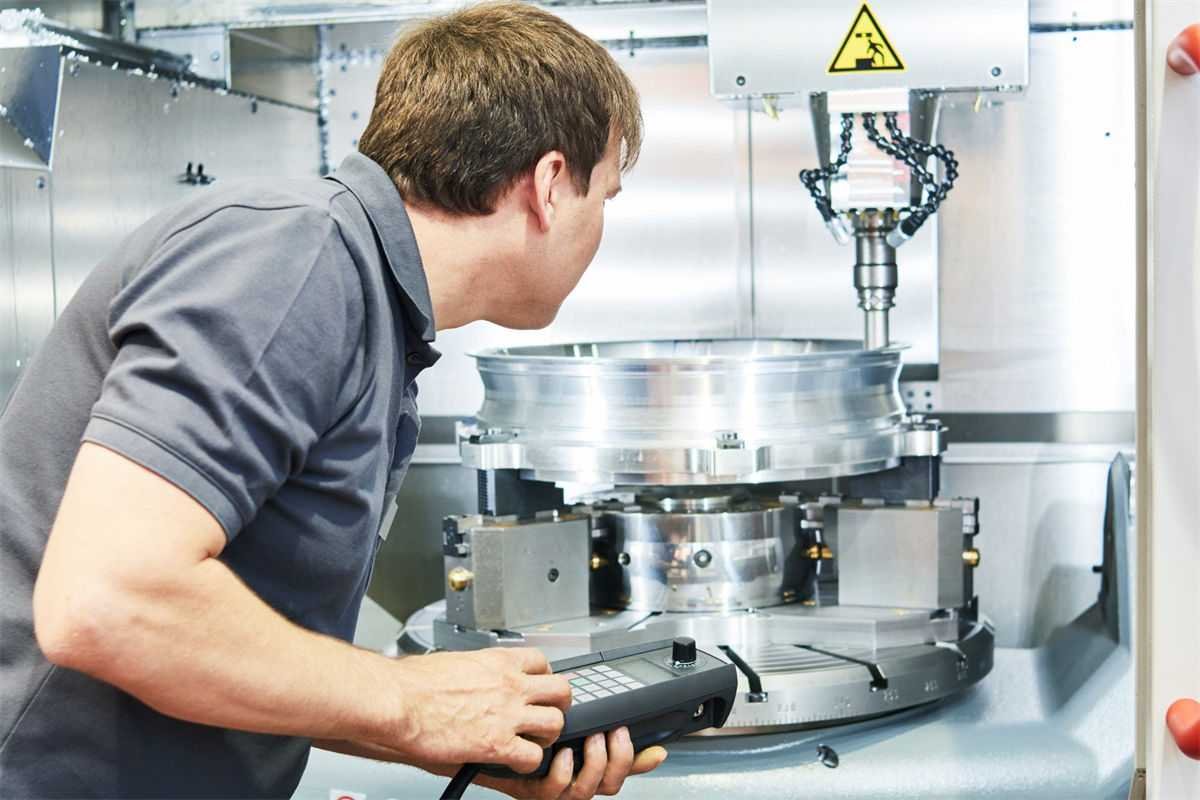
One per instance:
(827,756)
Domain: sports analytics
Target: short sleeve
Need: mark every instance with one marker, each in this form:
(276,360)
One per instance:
(233,344)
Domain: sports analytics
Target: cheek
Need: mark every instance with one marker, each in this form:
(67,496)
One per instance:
(591,239)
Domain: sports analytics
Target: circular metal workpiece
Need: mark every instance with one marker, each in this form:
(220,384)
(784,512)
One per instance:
(689,412)
(732,558)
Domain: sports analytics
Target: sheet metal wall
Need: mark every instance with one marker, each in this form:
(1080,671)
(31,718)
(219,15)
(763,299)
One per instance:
(1038,241)
(109,175)
(105,185)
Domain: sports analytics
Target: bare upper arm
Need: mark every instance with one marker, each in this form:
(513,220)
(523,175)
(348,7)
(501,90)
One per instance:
(120,529)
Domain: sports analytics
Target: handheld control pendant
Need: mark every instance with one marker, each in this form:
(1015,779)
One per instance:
(659,690)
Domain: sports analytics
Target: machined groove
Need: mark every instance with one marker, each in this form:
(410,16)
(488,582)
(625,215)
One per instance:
(879,681)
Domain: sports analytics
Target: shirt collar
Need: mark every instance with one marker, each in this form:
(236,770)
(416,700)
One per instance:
(380,198)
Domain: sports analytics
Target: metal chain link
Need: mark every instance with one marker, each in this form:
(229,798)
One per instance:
(814,178)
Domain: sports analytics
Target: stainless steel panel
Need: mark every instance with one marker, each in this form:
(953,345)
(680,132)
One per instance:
(655,18)
(279,63)
(646,20)
(350,67)
(1079,12)
(206,49)
(269,13)
(106,185)
(804,282)
(29,95)
(900,557)
(778,47)
(87,14)
(1037,239)
(1041,523)
(26,270)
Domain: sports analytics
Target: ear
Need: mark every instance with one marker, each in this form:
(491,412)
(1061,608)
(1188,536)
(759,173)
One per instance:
(550,177)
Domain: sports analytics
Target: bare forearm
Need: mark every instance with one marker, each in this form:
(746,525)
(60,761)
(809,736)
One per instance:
(131,590)
(204,648)
(378,752)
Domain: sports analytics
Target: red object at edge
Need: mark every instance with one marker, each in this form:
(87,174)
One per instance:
(1183,55)
(1183,721)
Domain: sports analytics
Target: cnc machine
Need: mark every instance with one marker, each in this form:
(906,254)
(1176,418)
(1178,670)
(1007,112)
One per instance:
(772,498)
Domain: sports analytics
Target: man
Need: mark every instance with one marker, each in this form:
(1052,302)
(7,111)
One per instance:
(177,590)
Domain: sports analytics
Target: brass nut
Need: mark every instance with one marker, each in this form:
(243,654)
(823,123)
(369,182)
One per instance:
(459,578)
(597,562)
(819,552)
(971,557)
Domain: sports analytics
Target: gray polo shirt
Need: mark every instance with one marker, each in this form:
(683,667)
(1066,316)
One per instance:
(256,347)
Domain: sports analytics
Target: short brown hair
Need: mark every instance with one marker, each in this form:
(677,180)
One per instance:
(468,102)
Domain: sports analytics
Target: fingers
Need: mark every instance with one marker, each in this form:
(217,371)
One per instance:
(620,761)
(528,659)
(648,759)
(541,724)
(595,761)
(558,779)
(548,690)
(523,756)
(598,775)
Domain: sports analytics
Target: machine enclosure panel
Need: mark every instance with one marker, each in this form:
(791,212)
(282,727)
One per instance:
(779,47)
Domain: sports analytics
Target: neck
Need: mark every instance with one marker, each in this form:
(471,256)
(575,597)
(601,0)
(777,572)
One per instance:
(460,254)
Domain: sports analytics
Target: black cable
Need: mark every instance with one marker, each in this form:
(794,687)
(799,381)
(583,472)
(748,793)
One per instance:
(924,150)
(913,153)
(814,178)
(461,780)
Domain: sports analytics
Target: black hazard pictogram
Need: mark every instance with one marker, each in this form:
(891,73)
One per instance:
(866,47)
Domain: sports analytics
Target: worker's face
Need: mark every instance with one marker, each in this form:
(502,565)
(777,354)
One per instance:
(561,238)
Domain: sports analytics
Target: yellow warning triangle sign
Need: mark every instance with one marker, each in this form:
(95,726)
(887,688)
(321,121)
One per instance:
(866,47)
